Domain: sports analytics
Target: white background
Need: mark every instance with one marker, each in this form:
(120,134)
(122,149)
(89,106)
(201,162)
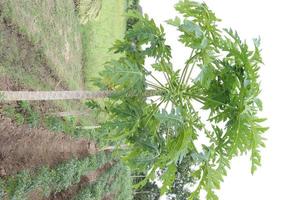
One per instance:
(278,25)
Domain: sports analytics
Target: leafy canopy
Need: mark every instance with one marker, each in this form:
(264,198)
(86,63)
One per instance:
(218,107)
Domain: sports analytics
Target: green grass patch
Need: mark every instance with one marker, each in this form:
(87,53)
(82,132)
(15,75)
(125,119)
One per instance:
(53,28)
(99,35)
(115,183)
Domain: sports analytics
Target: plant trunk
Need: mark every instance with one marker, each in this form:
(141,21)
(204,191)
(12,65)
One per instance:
(52,95)
(88,127)
(70,113)
(61,95)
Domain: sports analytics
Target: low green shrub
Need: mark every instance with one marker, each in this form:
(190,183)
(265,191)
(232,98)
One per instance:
(51,180)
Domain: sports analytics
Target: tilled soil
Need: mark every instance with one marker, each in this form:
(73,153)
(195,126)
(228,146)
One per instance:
(22,147)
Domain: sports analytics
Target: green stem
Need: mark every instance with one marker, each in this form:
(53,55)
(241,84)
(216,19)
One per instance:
(156,80)
(190,73)
(209,99)
(182,77)
(152,112)
(154,85)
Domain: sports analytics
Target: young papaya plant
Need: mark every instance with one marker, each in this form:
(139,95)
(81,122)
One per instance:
(218,107)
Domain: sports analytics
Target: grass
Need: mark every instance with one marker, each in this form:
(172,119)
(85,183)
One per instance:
(40,47)
(52,27)
(99,35)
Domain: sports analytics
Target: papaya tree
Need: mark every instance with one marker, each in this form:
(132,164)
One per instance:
(212,100)
(162,114)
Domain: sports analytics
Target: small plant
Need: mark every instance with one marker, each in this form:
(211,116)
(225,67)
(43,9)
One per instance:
(29,114)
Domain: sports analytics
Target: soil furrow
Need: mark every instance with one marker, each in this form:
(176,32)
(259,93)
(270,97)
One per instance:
(22,147)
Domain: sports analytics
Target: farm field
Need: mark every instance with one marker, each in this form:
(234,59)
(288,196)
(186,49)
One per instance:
(44,152)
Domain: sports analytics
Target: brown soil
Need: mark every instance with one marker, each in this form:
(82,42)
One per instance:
(22,147)
(91,177)
(7,84)
(109,197)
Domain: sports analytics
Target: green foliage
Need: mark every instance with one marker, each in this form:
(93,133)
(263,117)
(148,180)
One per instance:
(122,185)
(115,181)
(23,113)
(132,5)
(160,133)
(168,178)
(149,191)
(179,189)
(94,191)
(51,180)
(183,178)
(98,189)
(31,117)
(99,35)
(145,32)
(123,74)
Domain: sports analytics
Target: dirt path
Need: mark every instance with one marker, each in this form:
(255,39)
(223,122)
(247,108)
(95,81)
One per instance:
(22,147)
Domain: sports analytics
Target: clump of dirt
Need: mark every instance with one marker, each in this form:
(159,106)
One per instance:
(91,177)
(7,84)
(22,147)
(109,197)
